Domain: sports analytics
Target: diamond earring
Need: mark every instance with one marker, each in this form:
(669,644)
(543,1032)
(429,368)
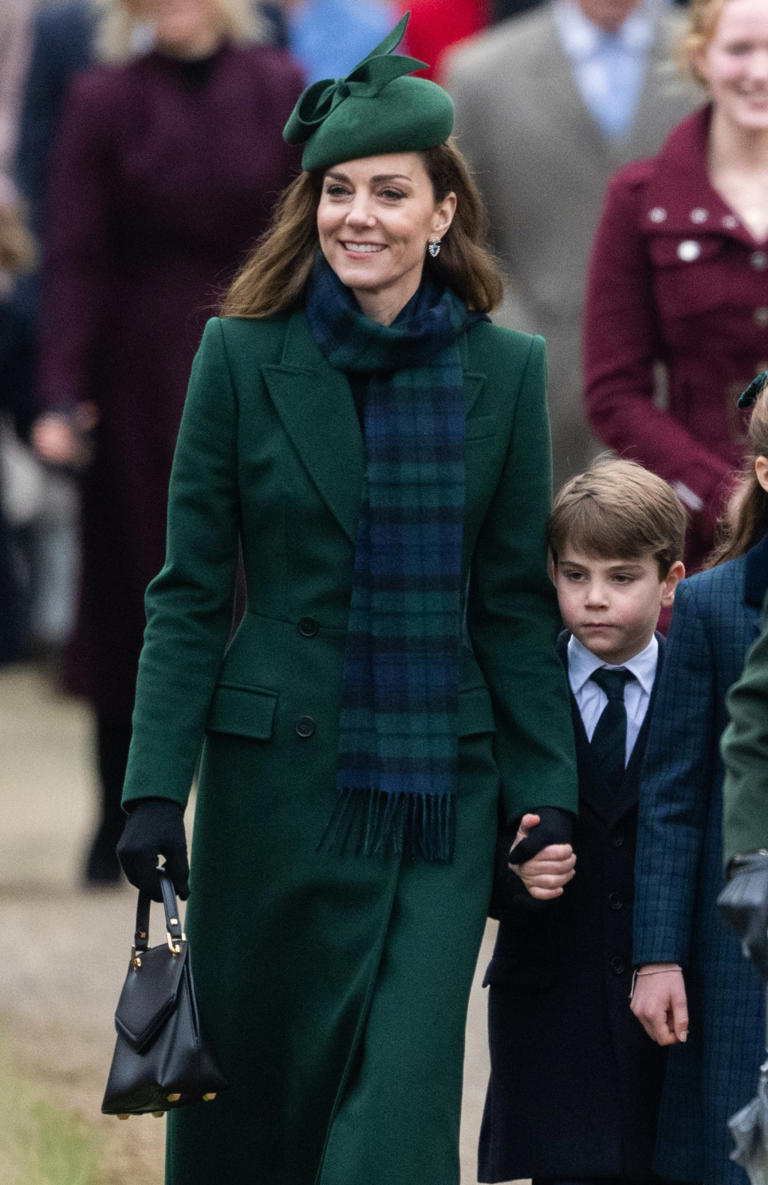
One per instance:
(434,247)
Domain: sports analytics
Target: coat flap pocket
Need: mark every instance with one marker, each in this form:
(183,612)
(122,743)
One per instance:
(475,711)
(244,711)
(149,995)
(480,427)
(526,974)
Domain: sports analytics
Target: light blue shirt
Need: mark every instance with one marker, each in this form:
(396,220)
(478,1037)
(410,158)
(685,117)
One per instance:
(329,37)
(591,699)
(609,68)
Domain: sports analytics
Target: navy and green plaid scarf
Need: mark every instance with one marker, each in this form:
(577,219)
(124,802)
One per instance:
(398,737)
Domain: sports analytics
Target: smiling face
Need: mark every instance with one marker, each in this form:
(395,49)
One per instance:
(375,218)
(734,64)
(612,606)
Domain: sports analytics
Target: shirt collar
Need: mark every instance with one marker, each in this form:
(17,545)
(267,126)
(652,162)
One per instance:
(581,37)
(582,663)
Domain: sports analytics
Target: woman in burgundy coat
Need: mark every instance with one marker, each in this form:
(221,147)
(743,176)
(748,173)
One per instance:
(166,171)
(679,276)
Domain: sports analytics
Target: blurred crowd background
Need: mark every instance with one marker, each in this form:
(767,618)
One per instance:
(140,157)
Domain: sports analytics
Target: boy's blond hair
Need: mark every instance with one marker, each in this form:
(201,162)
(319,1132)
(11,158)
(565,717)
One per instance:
(617,509)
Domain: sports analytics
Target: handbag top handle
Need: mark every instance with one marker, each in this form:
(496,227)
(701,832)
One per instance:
(172,919)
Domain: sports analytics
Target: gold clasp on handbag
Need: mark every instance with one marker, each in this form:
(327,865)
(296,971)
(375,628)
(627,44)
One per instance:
(173,947)
(135,959)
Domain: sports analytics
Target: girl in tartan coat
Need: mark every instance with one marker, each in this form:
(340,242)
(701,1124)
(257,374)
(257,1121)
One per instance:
(694,991)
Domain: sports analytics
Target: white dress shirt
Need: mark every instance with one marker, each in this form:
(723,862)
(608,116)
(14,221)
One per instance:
(591,699)
(609,68)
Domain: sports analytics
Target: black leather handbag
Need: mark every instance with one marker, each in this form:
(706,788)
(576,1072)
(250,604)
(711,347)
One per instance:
(161,1060)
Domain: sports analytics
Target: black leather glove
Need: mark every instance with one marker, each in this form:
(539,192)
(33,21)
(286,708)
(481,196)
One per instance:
(744,905)
(155,827)
(556,826)
(509,893)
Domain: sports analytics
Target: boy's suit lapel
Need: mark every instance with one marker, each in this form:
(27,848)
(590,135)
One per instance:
(608,803)
(314,402)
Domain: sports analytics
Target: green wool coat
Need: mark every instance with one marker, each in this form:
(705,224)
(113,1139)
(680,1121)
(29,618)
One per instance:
(334,987)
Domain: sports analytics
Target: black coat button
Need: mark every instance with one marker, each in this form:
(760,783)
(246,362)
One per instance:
(617,839)
(308,627)
(618,966)
(305,727)
(615,901)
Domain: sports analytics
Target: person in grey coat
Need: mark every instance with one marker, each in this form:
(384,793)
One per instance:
(544,138)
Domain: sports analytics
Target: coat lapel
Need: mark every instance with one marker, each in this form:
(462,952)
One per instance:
(556,95)
(315,404)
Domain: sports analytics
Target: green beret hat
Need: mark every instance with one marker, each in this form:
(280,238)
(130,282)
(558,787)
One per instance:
(380,107)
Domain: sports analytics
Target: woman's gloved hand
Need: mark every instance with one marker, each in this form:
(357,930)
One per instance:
(555,827)
(744,905)
(155,827)
(510,895)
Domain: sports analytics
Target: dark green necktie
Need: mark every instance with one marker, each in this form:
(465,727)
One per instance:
(609,740)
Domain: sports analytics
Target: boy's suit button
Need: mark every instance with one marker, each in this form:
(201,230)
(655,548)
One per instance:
(305,727)
(308,627)
(618,966)
(617,840)
(615,901)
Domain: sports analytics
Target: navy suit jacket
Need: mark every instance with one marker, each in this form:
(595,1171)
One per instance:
(564,1043)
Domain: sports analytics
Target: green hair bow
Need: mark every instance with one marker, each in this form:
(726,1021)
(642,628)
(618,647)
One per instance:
(367,80)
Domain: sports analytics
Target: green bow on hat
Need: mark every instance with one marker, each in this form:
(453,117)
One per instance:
(750,393)
(378,108)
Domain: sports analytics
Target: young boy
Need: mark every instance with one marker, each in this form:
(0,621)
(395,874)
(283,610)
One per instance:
(575,1081)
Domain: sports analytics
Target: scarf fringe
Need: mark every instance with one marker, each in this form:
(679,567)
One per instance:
(377,823)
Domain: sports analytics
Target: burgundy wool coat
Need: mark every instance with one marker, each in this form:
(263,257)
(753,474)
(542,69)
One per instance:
(675,279)
(163,178)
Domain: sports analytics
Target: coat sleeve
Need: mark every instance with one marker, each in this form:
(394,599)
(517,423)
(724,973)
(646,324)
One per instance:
(622,347)
(512,615)
(189,603)
(745,754)
(675,790)
(77,261)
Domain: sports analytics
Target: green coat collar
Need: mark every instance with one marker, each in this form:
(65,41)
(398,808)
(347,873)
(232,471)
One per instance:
(315,404)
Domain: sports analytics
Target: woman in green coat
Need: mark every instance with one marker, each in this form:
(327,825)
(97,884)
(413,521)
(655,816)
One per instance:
(379,451)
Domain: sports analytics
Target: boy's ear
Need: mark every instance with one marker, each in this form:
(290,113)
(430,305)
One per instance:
(670,583)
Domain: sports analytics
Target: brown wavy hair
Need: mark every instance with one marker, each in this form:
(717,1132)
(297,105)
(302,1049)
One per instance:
(274,276)
(746,516)
(617,509)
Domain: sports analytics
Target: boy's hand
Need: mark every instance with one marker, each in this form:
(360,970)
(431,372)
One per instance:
(660,1003)
(545,874)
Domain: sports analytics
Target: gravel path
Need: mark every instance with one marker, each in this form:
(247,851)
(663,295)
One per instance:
(65,949)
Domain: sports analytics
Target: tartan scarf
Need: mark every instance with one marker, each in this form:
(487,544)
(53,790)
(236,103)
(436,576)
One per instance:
(398,736)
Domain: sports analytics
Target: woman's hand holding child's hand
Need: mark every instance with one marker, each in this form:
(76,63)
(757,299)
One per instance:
(660,1003)
(545,874)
